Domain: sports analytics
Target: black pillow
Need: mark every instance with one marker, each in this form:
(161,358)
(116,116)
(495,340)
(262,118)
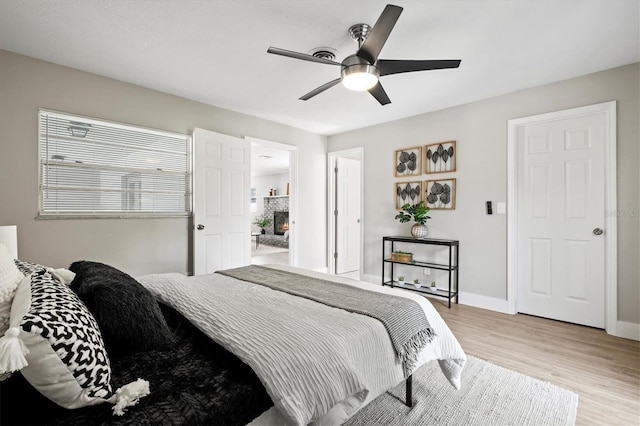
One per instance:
(128,315)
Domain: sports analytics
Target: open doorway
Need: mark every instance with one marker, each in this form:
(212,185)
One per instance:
(272,203)
(345,212)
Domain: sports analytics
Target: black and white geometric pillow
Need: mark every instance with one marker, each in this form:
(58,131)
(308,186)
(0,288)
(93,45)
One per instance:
(28,268)
(67,362)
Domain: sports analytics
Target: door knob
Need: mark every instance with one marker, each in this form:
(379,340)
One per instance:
(597,231)
(201,227)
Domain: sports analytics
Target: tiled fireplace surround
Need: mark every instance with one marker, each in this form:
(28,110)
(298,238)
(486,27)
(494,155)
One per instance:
(272,204)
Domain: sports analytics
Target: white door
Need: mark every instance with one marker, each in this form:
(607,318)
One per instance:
(222,179)
(560,207)
(348,217)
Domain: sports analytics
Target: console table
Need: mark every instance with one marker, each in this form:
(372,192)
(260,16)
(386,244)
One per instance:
(453,247)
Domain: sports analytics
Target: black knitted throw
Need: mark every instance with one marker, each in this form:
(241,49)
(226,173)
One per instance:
(195,383)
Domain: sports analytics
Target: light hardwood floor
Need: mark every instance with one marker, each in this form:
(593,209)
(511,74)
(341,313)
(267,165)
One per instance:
(603,370)
(281,258)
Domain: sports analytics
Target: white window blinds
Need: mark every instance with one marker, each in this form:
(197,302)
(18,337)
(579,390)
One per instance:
(90,167)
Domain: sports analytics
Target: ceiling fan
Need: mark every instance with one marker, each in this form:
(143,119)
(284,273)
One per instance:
(362,70)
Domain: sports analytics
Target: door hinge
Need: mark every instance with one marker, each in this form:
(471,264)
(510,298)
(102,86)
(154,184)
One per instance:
(335,212)
(335,255)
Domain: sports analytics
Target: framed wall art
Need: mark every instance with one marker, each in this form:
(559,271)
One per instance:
(440,194)
(408,162)
(408,192)
(440,157)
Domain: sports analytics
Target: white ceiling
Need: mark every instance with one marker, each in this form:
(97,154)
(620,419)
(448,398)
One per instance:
(215,51)
(266,160)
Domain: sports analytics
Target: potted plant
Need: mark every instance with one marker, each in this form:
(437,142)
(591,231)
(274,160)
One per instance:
(400,279)
(262,221)
(418,214)
(433,287)
(416,282)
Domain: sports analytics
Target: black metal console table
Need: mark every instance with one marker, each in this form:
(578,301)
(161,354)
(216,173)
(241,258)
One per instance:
(388,247)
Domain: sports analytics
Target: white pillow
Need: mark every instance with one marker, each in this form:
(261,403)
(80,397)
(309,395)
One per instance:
(10,277)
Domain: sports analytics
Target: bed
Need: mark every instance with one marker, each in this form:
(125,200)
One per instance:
(237,352)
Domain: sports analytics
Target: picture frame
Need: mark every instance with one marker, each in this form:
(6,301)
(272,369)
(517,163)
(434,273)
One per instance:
(407,192)
(408,162)
(440,194)
(440,157)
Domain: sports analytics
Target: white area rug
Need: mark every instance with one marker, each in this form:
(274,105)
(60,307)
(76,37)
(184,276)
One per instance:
(490,395)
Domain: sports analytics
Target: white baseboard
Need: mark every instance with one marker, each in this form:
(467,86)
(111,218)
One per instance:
(484,302)
(370,279)
(470,299)
(628,330)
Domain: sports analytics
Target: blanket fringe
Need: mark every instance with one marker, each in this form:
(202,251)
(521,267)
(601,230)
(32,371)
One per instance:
(412,347)
(128,396)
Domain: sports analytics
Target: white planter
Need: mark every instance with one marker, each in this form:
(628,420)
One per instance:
(419,231)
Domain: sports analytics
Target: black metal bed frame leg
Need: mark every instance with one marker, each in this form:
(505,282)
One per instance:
(409,393)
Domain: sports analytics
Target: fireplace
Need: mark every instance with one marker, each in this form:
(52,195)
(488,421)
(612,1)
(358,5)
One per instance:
(280,222)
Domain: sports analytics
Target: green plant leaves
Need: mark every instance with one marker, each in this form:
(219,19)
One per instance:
(416,212)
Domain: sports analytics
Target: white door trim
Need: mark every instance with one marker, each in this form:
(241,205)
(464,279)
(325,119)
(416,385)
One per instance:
(293,192)
(611,226)
(331,204)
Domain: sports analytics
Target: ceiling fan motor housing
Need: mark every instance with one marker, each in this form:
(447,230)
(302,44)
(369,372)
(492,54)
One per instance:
(358,74)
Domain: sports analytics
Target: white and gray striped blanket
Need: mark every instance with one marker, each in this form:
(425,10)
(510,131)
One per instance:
(403,318)
(311,358)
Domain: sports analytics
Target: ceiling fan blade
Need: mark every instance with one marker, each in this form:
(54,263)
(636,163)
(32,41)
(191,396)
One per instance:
(320,89)
(372,45)
(381,96)
(303,56)
(387,67)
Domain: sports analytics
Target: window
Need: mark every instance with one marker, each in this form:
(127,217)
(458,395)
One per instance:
(253,207)
(95,168)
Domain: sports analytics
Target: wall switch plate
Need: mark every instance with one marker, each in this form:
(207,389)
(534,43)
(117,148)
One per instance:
(502,208)
(426,271)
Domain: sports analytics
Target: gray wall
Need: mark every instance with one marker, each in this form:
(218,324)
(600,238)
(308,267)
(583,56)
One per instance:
(137,246)
(480,129)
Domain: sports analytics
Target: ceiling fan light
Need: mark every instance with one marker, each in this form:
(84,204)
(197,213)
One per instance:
(360,77)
